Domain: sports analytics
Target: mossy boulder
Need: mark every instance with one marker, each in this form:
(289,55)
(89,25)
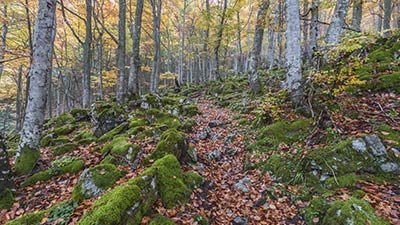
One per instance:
(26,160)
(58,167)
(283,132)
(162,220)
(94,181)
(150,101)
(63,119)
(171,142)
(389,135)
(29,219)
(352,211)
(106,116)
(188,125)
(63,130)
(121,147)
(315,211)
(65,148)
(80,114)
(129,202)
(51,139)
(84,137)
(193,180)
(114,132)
(158,117)
(6,199)
(187,110)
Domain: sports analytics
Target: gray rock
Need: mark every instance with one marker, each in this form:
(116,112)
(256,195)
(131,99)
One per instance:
(375,144)
(323,178)
(241,186)
(214,155)
(202,135)
(240,221)
(88,188)
(216,137)
(390,167)
(214,123)
(396,151)
(359,145)
(229,139)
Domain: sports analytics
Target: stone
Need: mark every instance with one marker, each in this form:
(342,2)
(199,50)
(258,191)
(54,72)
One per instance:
(216,137)
(214,123)
(373,141)
(231,151)
(390,167)
(359,145)
(214,155)
(240,221)
(242,184)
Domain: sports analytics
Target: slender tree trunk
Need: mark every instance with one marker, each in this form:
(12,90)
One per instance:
(257,43)
(337,22)
(206,60)
(87,57)
(28,151)
(272,40)
(357,15)
(99,50)
(305,33)
(181,65)
(293,51)
(19,100)
(3,40)
(155,71)
(314,31)
(387,15)
(238,52)
(133,82)
(121,87)
(216,72)
(6,183)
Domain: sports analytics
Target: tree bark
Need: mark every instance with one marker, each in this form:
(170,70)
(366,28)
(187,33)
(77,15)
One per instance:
(87,58)
(257,44)
(182,46)
(5,168)
(357,15)
(121,86)
(305,33)
(28,151)
(3,40)
(134,70)
(337,22)
(216,72)
(19,100)
(293,51)
(387,6)
(238,57)
(314,31)
(155,71)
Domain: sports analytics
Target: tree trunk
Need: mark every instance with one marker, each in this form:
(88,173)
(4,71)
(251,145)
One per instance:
(133,84)
(3,40)
(238,61)
(155,70)
(99,52)
(19,100)
(357,15)
(337,22)
(314,32)
(257,43)
(305,33)
(87,57)
(121,86)
(206,61)
(293,51)
(216,72)
(5,169)
(28,151)
(387,15)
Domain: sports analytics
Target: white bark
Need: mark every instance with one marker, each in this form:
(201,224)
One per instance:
(314,31)
(293,50)
(337,22)
(357,15)
(387,6)
(3,40)
(5,169)
(39,72)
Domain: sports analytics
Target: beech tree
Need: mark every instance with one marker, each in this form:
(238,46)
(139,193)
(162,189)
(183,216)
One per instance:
(337,22)
(121,86)
(43,40)
(293,51)
(87,57)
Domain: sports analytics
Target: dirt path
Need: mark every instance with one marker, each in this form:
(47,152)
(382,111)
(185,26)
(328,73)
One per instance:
(231,195)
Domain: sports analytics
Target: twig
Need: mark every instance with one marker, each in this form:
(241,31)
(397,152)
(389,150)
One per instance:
(380,107)
(333,172)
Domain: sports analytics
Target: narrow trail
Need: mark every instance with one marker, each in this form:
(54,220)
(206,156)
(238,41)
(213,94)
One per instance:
(231,194)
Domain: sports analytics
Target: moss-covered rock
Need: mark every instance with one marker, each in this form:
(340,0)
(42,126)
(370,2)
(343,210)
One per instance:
(137,122)
(58,167)
(26,160)
(51,139)
(193,180)
(150,101)
(94,181)
(283,132)
(188,125)
(29,219)
(106,116)
(352,211)
(63,119)
(63,130)
(6,199)
(121,147)
(65,148)
(158,117)
(315,211)
(114,132)
(162,220)
(171,142)
(80,114)
(84,137)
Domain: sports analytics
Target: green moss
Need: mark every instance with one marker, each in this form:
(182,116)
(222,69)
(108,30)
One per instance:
(171,142)
(188,125)
(114,132)
(316,209)
(6,199)
(270,137)
(193,180)
(64,130)
(352,211)
(162,220)
(120,146)
(29,219)
(63,119)
(40,176)
(156,116)
(25,163)
(358,194)
(73,167)
(347,180)
(52,140)
(173,190)
(110,160)
(388,82)
(112,208)
(281,167)
(137,122)
(386,132)
(80,114)
(65,148)
(200,219)
(84,134)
